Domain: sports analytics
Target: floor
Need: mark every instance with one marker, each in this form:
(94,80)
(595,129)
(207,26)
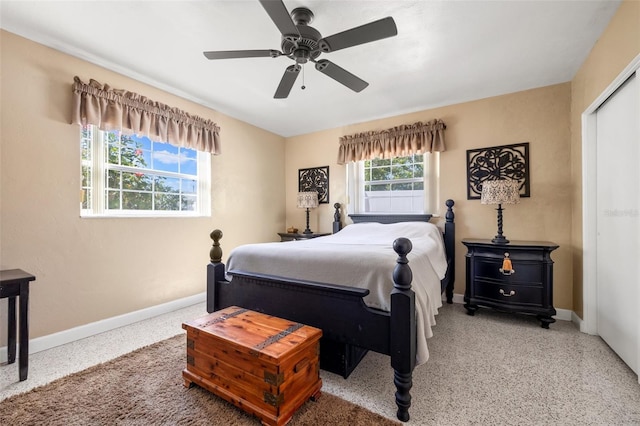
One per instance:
(492,368)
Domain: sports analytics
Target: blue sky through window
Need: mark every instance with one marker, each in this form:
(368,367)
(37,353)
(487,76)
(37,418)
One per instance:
(165,157)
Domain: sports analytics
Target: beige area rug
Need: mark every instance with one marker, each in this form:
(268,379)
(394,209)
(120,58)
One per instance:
(145,387)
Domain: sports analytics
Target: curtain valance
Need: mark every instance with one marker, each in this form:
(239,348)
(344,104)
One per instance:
(398,141)
(114,109)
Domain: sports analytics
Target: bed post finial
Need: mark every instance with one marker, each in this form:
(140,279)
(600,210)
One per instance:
(402,275)
(403,324)
(216,252)
(337,223)
(449,215)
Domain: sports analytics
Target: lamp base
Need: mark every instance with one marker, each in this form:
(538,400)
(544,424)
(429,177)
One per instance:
(307,231)
(500,239)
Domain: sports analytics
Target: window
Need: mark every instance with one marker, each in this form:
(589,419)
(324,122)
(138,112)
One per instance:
(128,175)
(395,185)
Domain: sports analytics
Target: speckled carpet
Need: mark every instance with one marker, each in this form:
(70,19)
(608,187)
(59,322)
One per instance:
(145,387)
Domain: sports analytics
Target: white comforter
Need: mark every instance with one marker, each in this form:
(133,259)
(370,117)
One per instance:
(361,255)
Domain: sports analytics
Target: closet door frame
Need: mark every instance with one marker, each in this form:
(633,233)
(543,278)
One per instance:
(589,204)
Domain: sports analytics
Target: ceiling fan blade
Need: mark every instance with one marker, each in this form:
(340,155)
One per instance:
(289,77)
(280,16)
(366,33)
(233,54)
(341,75)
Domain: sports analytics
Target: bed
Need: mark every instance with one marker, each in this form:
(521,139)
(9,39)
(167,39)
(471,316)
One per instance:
(388,316)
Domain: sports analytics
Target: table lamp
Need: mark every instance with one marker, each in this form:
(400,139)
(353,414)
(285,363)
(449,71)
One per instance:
(500,192)
(307,200)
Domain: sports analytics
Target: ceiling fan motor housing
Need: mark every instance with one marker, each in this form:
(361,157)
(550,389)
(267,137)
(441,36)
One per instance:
(306,47)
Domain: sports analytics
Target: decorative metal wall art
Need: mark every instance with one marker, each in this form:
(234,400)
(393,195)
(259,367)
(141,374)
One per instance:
(315,179)
(498,162)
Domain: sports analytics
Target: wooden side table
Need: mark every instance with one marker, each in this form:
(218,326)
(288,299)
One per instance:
(15,283)
(287,236)
(526,286)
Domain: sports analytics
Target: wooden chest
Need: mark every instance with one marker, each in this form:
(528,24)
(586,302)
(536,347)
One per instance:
(265,365)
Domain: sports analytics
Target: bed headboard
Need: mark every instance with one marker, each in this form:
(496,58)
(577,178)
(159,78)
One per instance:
(390,218)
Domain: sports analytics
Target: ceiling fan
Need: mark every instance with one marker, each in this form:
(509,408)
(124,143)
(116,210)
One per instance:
(303,43)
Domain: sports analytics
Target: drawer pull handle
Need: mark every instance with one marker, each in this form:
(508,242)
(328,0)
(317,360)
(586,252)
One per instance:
(507,271)
(507,268)
(511,293)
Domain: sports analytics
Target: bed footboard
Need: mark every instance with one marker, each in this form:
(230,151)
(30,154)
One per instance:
(338,310)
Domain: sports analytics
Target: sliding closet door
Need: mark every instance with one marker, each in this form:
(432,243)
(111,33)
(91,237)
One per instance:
(618,233)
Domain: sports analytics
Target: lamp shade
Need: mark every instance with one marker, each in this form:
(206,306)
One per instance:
(500,192)
(307,200)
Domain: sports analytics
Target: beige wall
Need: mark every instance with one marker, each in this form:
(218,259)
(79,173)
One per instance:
(540,117)
(616,48)
(92,269)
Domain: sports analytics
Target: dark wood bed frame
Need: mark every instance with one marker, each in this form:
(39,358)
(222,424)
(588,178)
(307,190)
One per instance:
(350,328)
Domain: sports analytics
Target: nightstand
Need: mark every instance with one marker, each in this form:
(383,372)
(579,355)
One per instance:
(287,236)
(526,287)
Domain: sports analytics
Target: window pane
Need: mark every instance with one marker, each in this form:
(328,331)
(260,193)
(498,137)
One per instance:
(189,186)
(402,172)
(113,153)
(86,198)
(86,176)
(418,186)
(188,202)
(86,132)
(136,158)
(401,186)
(85,149)
(167,202)
(367,175)
(136,200)
(113,179)
(189,167)
(381,173)
(113,200)
(164,184)
(165,159)
(380,162)
(380,187)
(402,160)
(137,181)
(142,141)
(418,170)
(128,142)
(189,153)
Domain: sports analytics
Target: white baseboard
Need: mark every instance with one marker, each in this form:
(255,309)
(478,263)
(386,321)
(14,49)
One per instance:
(561,314)
(60,338)
(564,314)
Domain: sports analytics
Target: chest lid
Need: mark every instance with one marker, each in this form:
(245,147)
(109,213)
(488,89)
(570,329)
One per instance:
(261,335)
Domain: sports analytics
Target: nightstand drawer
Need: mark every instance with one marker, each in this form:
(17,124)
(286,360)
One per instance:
(530,273)
(509,294)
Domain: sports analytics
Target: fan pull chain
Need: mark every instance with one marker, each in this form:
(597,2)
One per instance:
(303,86)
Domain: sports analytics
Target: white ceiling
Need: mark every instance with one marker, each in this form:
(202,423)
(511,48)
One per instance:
(445,52)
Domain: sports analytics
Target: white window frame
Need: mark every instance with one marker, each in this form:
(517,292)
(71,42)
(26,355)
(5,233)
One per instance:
(356,187)
(99,168)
